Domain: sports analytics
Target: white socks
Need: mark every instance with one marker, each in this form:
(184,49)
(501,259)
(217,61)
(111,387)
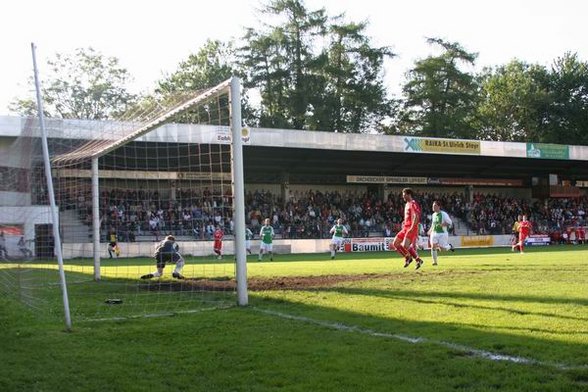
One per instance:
(179,266)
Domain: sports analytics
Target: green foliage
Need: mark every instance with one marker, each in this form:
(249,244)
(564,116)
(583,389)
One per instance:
(350,96)
(263,60)
(82,85)
(566,115)
(512,101)
(304,69)
(523,102)
(278,62)
(315,72)
(211,65)
(440,98)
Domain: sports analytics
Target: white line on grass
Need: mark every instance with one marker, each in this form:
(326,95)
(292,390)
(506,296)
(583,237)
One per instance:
(474,352)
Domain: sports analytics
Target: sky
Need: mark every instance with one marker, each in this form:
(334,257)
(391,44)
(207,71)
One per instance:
(151,38)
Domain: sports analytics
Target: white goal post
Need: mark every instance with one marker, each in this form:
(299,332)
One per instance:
(97,149)
(181,153)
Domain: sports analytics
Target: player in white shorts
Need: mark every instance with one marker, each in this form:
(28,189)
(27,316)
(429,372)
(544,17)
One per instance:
(438,232)
(338,230)
(266,234)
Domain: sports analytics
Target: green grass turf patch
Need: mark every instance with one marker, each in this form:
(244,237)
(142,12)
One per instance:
(331,335)
(242,350)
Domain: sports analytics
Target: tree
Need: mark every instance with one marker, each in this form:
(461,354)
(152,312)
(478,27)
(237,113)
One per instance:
(349,94)
(263,59)
(512,102)
(440,99)
(298,32)
(82,85)
(566,115)
(211,65)
(522,102)
(277,61)
(314,72)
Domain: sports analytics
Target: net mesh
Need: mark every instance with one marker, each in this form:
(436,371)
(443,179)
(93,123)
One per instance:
(163,169)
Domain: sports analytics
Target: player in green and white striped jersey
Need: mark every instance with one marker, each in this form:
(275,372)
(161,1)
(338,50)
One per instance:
(338,230)
(439,237)
(267,237)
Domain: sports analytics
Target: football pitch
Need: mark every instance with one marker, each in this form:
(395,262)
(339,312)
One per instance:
(484,319)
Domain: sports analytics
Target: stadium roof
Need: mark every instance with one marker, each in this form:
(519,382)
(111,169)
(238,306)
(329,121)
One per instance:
(268,164)
(316,157)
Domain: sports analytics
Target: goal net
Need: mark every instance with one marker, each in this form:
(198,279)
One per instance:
(166,175)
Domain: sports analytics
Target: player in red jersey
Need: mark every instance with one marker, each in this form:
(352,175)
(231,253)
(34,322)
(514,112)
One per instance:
(218,242)
(524,230)
(405,241)
(580,234)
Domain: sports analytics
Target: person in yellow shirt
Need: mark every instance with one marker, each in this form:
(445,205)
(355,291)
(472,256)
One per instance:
(516,228)
(112,244)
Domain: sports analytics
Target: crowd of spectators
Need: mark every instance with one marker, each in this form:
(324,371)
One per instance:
(311,213)
(138,213)
(494,214)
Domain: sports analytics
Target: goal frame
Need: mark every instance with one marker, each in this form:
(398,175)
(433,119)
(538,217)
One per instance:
(97,148)
(231,86)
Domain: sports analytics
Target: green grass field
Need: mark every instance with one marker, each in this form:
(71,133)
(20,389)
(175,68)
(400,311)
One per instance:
(482,320)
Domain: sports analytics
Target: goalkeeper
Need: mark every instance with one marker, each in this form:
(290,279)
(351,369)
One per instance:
(167,252)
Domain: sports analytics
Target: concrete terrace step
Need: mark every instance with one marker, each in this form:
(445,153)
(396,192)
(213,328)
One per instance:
(73,230)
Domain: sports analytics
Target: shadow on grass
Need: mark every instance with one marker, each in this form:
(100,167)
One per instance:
(471,336)
(422,297)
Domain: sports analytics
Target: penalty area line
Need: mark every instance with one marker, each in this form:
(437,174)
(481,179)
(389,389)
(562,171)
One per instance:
(473,352)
